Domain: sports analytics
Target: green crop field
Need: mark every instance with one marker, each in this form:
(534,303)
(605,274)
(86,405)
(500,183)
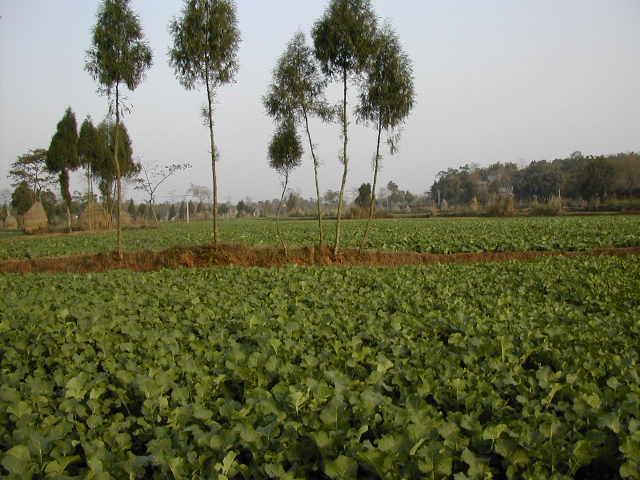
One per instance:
(437,235)
(515,370)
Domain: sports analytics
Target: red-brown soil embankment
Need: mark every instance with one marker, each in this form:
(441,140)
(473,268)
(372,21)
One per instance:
(235,255)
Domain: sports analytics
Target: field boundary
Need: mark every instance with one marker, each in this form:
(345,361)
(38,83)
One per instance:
(267,257)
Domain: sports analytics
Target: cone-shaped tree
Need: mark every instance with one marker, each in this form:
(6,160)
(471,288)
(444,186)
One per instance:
(386,99)
(343,44)
(205,52)
(118,57)
(285,152)
(62,156)
(105,167)
(297,93)
(90,153)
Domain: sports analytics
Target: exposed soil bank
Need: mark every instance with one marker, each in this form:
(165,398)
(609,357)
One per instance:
(235,255)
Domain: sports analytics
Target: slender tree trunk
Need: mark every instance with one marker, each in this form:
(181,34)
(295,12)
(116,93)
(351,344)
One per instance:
(118,179)
(66,195)
(372,205)
(89,198)
(345,161)
(69,229)
(152,206)
(315,172)
(284,191)
(213,163)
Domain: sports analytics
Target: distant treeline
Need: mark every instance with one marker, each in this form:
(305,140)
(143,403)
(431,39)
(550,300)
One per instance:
(578,177)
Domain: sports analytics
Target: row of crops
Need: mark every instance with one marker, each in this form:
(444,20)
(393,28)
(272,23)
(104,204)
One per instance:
(516,370)
(437,235)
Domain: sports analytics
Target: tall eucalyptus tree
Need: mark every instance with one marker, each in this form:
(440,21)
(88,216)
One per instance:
(297,93)
(343,44)
(386,100)
(205,51)
(119,57)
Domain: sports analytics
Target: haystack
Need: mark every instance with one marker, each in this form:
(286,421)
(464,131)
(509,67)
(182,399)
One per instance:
(93,217)
(35,220)
(10,223)
(125,218)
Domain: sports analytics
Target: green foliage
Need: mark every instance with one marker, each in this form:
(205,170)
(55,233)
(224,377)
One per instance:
(63,150)
(141,211)
(131,208)
(343,45)
(296,93)
(298,87)
(285,149)
(434,235)
(31,168)
(205,43)
(364,196)
(205,51)
(104,167)
(119,53)
(343,37)
(597,178)
(539,180)
(514,370)
(389,94)
(62,155)
(22,198)
(577,177)
(91,150)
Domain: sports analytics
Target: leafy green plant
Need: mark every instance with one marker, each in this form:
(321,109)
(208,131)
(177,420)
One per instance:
(434,235)
(515,370)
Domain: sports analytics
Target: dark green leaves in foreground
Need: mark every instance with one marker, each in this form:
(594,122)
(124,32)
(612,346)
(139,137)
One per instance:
(518,370)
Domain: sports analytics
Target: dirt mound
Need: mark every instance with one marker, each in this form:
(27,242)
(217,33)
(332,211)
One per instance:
(240,256)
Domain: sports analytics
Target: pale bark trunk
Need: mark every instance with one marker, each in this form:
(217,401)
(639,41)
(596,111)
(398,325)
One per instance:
(118,178)
(315,171)
(284,191)
(213,165)
(345,161)
(372,205)
(89,198)
(68,218)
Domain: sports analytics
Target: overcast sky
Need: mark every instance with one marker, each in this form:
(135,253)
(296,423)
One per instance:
(497,80)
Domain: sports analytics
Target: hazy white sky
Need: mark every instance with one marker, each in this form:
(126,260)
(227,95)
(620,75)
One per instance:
(496,80)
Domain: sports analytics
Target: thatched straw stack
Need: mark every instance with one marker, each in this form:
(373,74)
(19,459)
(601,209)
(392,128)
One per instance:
(35,220)
(10,223)
(93,217)
(125,218)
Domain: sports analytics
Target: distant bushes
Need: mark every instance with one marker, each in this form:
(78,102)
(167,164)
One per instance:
(501,206)
(547,209)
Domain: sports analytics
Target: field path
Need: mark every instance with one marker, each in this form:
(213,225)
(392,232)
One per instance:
(241,256)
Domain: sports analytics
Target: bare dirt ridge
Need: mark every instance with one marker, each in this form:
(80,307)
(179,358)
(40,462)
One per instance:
(242,256)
